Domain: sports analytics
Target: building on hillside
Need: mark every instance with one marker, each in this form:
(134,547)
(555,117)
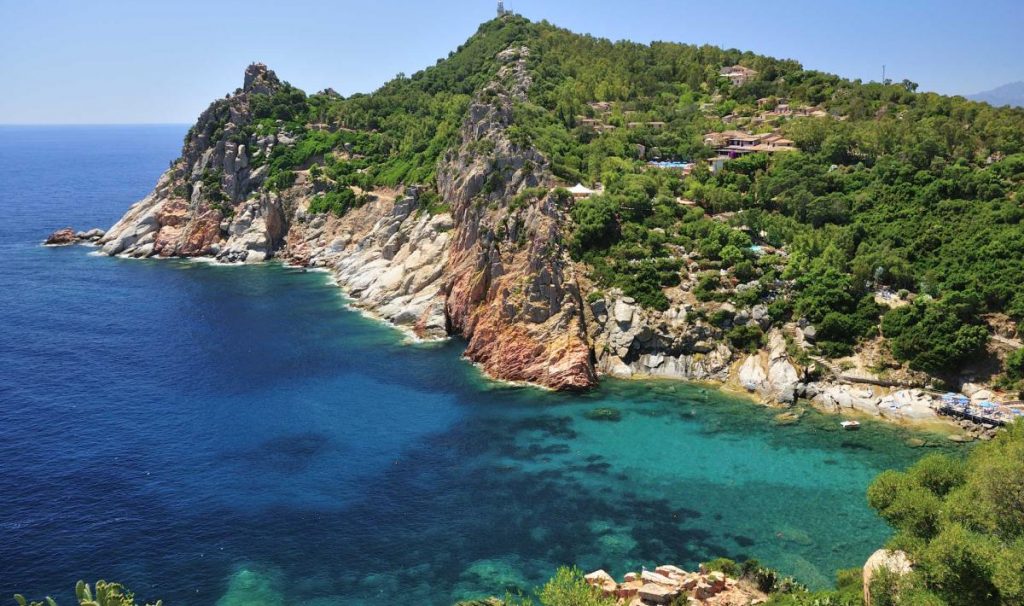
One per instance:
(581,192)
(653,125)
(716,164)
(734,143)
(738,75)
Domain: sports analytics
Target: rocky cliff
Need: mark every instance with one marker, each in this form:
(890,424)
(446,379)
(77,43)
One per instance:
(492,271)
(512,292)
(208,204)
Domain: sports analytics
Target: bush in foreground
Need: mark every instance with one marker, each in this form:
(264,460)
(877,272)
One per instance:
(106,594)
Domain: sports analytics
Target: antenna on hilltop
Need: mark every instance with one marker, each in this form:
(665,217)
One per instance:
(501,8)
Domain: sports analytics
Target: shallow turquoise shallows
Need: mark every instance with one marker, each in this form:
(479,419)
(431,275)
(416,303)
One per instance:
(237,435)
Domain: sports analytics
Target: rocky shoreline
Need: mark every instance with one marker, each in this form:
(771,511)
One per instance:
(669,584)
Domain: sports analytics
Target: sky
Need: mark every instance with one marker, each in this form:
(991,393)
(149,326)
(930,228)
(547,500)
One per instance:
(120,61)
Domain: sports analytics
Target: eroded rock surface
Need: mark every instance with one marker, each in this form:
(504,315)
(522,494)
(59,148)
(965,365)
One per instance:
(512,290)
(669,584)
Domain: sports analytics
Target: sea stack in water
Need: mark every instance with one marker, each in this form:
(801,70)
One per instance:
(66,236)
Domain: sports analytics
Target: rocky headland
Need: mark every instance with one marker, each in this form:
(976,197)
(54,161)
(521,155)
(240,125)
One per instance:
(487,264)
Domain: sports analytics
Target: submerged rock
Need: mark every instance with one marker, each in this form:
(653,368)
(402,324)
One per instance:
(604,414)
(252,588)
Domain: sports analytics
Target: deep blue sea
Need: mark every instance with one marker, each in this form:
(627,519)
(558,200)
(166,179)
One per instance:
(236,435)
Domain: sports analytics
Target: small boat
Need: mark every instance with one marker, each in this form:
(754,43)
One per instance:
(851,425)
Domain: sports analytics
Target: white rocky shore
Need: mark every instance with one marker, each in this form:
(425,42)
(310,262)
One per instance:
(631,342)
(672,585)
(387,256)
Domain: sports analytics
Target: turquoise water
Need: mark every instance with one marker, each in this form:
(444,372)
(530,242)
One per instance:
(217,435)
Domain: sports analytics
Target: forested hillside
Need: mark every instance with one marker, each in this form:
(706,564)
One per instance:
(896,213)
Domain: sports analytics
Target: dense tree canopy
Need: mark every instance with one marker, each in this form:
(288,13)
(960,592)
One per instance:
(962,522)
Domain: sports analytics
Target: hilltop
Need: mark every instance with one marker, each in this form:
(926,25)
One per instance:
(737,217)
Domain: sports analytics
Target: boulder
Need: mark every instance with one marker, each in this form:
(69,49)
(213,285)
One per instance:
(894,561)
(654,593)
(810,333)
(603,581)
(653,577)
(752,375)
(982,395)
(623,312)
(668,570)
(62,237)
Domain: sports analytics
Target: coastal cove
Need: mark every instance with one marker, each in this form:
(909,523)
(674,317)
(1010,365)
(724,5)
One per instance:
(227,434)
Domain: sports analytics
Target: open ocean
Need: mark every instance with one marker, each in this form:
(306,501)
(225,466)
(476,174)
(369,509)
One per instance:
(236,435)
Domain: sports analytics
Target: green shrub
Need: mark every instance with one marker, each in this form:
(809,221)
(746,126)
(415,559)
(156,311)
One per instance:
(726,566)
(707,284)
(568,588)
(280,180)
(961,523)
(337,202)
(935,336)
(106,594)
(595,226)
(745,337)
(1013,366)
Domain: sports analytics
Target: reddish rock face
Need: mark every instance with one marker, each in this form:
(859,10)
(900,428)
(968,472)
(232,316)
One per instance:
(511,353)
(182,235)
(201,234)
(511,292)
(62,237)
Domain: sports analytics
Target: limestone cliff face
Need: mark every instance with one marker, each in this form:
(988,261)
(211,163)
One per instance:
(512,290)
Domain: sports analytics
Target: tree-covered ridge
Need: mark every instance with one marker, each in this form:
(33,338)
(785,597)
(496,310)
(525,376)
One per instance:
(891,190)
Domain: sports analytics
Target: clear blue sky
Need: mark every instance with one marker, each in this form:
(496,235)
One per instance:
(110,61)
